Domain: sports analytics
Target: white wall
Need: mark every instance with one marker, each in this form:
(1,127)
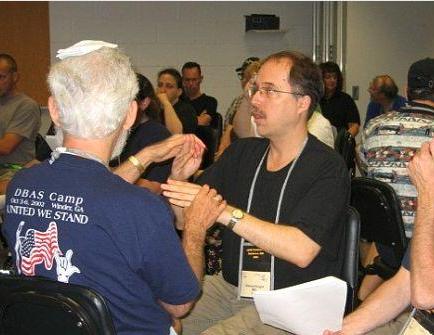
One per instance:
(162,34)
(386,38)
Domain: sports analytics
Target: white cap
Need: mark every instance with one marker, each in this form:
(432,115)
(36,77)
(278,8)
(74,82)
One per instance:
(83,48)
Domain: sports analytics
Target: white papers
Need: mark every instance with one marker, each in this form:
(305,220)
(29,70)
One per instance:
(305,309)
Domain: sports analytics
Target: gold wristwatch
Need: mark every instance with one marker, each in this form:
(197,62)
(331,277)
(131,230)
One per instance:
(237,215)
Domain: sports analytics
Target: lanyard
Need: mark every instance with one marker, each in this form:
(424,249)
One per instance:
(75,152)
(279,206)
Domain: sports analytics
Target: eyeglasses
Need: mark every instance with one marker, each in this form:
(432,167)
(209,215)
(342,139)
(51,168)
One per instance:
(268,92)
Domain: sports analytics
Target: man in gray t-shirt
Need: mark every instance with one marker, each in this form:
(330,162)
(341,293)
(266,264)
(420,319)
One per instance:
(20,118)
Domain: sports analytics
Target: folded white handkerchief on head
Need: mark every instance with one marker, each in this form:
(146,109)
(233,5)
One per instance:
(83,48)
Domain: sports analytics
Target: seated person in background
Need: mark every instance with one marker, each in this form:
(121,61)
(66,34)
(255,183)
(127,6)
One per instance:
(20,120)
(169,85)
(204,105)
(112,236)
(147,129)
(389,142)
(249,67)
(337,106)
(288,195)
(413,282)
(384,97)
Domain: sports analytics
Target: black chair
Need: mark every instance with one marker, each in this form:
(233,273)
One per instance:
(381,220)
(210,136)
(350,271)
(34,305)
(345,145)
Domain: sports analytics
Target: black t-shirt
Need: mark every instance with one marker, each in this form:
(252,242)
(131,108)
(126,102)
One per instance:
(205,102)
(187,116)
(315,201)
(143,135)
(340,110)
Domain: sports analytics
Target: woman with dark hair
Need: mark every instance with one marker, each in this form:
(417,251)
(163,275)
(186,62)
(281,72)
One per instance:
(337,106)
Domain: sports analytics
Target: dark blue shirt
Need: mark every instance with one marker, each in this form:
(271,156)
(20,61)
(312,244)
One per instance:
(77,222)
(375,109)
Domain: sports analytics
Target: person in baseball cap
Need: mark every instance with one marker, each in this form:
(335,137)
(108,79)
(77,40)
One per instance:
(246,63)
(420,79)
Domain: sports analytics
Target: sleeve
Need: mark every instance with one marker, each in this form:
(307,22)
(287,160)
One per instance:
(319,214)
(352,112)
(26,121)
(321,128)
(165,266)
(211,106)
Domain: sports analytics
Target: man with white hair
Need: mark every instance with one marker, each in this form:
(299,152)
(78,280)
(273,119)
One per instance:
(94,228)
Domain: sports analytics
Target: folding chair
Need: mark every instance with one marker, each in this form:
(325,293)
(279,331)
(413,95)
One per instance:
(381,220)
(34,305)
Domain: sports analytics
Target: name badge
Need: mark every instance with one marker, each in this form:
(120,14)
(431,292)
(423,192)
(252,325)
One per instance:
(255,270)
(419,323)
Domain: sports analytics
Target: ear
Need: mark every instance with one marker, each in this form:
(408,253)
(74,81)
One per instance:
(54,111)
(201,78)
(303,104)
(15,77)
(146,102)
(131,116)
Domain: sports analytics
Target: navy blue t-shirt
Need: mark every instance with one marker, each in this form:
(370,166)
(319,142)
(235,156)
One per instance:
(77,222)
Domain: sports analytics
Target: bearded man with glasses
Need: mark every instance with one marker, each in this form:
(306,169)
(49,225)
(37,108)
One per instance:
(287,195)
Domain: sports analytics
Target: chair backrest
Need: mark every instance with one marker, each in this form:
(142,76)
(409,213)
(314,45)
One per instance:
(34,305)
(345,146)
(380,213)
(350,270)
(210,137)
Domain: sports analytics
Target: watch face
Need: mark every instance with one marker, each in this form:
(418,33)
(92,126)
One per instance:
(238,214)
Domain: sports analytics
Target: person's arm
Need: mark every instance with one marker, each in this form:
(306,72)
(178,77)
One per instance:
(421,170)
(159,152)
(286,242)
(9,142)
(242,123)
(353,128)
(381,306)
(200,215)
(225,141)
(204,119)
(172,122)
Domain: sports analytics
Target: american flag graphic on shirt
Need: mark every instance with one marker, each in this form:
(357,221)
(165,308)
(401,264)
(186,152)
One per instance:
(37,247)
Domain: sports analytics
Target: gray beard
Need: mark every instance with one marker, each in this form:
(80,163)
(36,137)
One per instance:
(117,149)
(120,144)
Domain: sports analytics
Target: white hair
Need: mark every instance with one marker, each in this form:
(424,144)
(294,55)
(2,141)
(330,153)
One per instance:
(93,92)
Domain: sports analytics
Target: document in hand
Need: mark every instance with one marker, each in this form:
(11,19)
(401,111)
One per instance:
(305,309)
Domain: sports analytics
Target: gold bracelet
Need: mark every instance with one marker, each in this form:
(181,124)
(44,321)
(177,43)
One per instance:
(139,166)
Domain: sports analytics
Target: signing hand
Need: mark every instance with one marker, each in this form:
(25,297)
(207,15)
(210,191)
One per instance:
(180,193)
(188,159)
(203,212)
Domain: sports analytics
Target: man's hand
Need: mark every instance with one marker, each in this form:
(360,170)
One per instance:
(204,119)
(421,169)
(188,159)
(180,193)
(203,212)
(173,146)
